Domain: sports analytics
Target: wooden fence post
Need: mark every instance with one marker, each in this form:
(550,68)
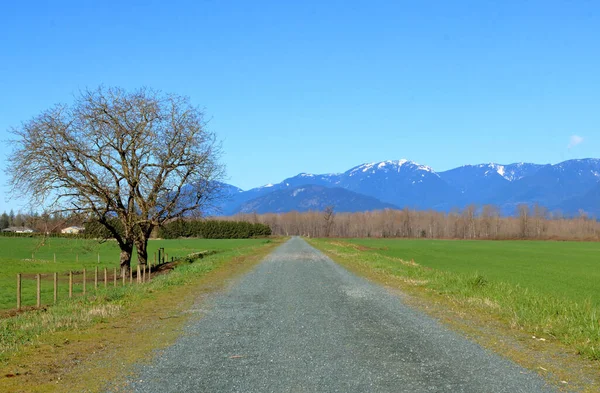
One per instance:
(19,291)
(96,279)
(84,279)
(39,290)
(55,287)
(115,277)
(139,274)
(70,285)
(144,273)
(105,278)
(123,277)
(130,275)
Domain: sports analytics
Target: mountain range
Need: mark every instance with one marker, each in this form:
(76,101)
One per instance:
(569,187)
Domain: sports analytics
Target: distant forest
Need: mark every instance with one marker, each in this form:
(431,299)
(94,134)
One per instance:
(470,223)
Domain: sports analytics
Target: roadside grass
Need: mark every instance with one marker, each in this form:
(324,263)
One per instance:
(61,344)
(545,314)
(560,269)
(75,255)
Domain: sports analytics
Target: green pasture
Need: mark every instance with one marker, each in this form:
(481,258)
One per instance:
(30,256)
(568,270)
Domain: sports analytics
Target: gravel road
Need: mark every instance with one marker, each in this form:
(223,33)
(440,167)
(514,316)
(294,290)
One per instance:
(300,323)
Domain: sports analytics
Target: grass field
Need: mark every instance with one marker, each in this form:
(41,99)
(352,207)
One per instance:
(561,269)
(548,289)
(29,256)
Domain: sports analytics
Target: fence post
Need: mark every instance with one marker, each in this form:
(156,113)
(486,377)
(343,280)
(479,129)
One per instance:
(70,285)
(130,275)
(55,287)
(114,277)
(19,291)
(123,276)
(149,271)
(39,290)
(139,274)
(96,279)
(84,279)
(144,273)
(105,278)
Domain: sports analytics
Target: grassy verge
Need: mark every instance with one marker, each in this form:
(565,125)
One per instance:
(82,344)
(536,321)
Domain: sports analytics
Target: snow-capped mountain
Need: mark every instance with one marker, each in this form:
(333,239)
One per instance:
(406,183)
(551,185)
(478,183)
(401,182)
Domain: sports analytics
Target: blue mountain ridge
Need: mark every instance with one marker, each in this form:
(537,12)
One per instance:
(568,186)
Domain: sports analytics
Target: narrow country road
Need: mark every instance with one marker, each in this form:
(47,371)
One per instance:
(300,323)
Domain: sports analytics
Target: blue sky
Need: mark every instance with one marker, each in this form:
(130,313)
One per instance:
(319,87)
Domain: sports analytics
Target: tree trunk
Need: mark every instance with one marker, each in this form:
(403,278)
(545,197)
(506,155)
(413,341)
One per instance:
(125,259)
(141,245)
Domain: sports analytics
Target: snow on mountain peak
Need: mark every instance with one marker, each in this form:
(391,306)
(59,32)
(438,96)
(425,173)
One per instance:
(390,166)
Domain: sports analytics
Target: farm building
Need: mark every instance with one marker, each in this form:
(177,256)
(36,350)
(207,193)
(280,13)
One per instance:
(73,230)
(18,230)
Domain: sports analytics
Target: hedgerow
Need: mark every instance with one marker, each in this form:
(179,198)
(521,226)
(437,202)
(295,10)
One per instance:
(213,229)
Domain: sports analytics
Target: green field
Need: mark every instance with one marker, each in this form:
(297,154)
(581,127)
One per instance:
(561,269)
(29,257)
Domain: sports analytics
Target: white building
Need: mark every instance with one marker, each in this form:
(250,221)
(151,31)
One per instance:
(18,230)
(73,230)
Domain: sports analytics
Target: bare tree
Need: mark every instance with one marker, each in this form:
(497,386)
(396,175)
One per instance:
(142,157)
(328,216)
(523,213)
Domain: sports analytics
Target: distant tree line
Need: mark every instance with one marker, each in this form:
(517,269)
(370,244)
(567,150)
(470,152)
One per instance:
(213,229)
(51,225)
(40,222)
(472,222)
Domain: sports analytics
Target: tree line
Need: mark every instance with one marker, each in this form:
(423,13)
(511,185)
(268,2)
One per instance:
(213,229)
(39,222)
(472,222)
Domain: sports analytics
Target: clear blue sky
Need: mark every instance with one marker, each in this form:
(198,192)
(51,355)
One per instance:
(319,86)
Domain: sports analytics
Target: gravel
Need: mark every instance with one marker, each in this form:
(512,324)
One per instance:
(300,323)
